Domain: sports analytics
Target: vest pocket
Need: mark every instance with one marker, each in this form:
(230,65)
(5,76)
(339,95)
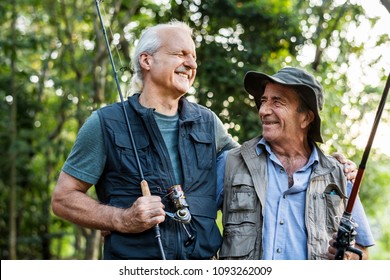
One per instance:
(334,206)
(243,195)
(239,241)
(243,199)
(127,155)
(240,228)
(204,149)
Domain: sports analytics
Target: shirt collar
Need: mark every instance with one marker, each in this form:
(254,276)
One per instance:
(263,146)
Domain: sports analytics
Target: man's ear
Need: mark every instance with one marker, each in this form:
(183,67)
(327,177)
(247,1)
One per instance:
(308,119)
(145,60)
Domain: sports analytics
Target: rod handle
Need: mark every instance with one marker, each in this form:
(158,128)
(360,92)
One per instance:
(146,192)
(145,188)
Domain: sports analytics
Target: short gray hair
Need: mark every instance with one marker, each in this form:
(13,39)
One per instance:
(150,42)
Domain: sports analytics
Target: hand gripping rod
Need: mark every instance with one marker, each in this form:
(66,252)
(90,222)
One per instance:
(144,184)
(346,231)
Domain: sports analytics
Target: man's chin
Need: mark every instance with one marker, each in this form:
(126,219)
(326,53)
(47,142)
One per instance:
(183,90)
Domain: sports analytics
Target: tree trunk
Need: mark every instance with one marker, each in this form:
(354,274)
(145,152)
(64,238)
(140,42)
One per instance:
(92,248)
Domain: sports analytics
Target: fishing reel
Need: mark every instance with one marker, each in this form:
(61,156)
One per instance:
(182,214)
(345,237)
(178,198)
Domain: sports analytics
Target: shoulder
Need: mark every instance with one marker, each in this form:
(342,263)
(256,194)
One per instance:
(91,124)
(195,108)
(248,147)
(90,133)
(328,161)
(233,160)
(252,142)
(206,112)
(235,152)
(109,110)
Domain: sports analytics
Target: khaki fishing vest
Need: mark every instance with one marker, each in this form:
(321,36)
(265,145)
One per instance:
(245,196)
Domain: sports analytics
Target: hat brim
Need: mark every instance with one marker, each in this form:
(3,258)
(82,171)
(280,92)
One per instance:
(255,82)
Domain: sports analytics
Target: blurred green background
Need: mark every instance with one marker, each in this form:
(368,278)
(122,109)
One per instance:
(55,71)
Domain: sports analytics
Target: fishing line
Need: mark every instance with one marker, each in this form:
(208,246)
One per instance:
(113,39)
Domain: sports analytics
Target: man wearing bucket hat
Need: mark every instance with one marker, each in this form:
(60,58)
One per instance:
(282,195)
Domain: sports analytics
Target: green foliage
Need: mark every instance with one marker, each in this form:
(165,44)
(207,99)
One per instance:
(56,70)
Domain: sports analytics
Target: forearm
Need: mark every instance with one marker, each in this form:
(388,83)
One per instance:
(85,211)
(70,202)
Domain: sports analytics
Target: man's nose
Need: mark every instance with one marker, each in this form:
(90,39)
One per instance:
(191,62)
(264,108)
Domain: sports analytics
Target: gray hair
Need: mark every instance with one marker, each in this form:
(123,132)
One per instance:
(150,42)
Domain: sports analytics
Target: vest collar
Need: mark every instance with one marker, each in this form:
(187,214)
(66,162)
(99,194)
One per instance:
(188,112)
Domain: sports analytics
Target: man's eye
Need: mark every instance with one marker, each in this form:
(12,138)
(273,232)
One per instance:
(277,102)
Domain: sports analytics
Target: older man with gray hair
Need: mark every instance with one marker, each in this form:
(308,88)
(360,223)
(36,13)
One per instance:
(177,143)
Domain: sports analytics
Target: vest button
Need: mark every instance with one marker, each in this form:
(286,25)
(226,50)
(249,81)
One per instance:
(278,250)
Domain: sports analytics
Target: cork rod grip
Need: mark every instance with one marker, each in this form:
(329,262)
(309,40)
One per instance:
(145,188)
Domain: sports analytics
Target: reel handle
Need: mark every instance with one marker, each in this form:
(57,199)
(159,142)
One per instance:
(345,236)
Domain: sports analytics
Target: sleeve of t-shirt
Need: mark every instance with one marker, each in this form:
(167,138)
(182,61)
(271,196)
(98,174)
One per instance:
(87,158)
(364,235)
(223,140)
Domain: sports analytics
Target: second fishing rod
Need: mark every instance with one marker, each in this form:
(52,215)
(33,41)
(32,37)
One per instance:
(346,232)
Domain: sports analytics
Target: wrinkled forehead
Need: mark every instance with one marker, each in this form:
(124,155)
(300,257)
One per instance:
(273,89)
(173,35)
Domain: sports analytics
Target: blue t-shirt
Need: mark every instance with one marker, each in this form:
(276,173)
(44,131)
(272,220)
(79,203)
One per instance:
(169,127)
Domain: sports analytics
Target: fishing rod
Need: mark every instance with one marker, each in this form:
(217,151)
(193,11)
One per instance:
(346,232)
(144,184)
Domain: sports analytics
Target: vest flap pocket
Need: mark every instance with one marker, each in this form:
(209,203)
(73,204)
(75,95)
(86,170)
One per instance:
(204,149)
(127,155)
(243,197)
(202,137)
(334,190)
(239,241)
(334,205)
(123,140)
(242,179)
